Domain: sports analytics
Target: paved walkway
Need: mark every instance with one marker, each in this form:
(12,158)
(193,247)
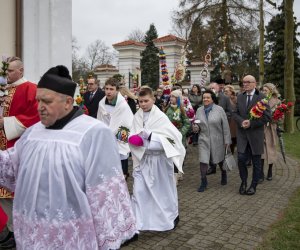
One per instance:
(220,218)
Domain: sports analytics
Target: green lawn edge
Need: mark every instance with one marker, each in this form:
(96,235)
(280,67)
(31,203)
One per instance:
(284,234)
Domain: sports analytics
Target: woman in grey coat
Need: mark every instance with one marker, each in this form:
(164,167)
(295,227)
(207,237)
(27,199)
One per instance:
(214,136)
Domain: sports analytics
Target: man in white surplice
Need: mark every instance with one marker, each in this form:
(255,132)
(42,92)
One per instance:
(115,112)
(156,146)
(68,193)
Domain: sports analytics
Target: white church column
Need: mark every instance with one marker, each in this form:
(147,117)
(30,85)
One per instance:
(47,36)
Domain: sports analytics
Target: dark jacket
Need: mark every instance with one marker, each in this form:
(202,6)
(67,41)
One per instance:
(254,135)
(132,104)
(92,105)
(224,102)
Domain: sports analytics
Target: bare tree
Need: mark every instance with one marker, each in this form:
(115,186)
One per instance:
(223,17)
(181,29)
(98,53)
(136,35)
(75,58)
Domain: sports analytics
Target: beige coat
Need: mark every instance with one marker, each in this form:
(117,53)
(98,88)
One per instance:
(270,152)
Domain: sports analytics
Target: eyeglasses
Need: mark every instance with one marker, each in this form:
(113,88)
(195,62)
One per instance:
(247,82)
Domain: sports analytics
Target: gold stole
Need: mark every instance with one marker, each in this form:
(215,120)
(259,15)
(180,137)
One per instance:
(6,104)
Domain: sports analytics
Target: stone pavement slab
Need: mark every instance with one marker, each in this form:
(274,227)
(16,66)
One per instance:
(221,218)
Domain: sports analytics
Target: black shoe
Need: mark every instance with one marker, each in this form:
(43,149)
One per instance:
(127,242)
(243,188)
(261,180)
(269,178)
(211,171)
(203,185)
(251,190)
(10,243)
(7,237)
(224,178)
(176,221)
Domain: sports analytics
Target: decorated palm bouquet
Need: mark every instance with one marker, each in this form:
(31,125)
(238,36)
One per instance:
(258,109)
(80,102)
(3,80)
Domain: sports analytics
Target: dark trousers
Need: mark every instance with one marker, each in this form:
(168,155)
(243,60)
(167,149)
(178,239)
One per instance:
(195,137)
(125,166)
(243,159)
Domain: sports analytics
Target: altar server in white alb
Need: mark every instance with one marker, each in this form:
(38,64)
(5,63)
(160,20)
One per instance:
(115,112)
(68,193)
(156,146)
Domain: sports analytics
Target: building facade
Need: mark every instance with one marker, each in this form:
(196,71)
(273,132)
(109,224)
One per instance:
(39,32)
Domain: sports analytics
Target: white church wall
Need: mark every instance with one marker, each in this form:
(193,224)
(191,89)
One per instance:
(47,36)
(8,28)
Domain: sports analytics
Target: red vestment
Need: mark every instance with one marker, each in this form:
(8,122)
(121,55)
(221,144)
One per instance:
(3,219)
(22,104)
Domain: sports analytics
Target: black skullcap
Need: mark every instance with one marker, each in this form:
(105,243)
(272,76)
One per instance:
(220,81)
(59,80)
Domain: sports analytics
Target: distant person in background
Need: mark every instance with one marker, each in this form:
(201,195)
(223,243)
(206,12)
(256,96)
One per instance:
(159,98)
(230,92)
(93,96)
(223,100)
(129,97)
(221,84)
(177,115)
(195,100)
(195,96)
(242,89)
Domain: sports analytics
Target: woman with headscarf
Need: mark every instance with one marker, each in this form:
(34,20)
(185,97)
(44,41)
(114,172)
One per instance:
(177,116)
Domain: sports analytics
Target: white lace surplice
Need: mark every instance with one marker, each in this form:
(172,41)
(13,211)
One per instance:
(70,191)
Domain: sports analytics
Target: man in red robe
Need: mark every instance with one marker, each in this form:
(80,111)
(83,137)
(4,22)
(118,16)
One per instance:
(18,111)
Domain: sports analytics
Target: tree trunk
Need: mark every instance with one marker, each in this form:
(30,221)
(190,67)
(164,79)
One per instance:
(289,92)
(261,43)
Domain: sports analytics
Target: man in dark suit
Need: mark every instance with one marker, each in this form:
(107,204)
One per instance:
(93,96)
(250,133)
(223,100)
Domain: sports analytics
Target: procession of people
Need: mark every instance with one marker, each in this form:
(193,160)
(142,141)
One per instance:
(63,174)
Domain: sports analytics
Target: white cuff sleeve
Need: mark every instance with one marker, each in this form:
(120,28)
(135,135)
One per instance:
(13,128)
(155,143)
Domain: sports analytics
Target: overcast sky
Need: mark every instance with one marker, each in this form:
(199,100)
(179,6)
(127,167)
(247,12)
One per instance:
(113,20)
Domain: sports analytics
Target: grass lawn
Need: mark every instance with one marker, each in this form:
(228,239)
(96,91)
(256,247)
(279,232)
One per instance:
(285,233)
(292,144)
